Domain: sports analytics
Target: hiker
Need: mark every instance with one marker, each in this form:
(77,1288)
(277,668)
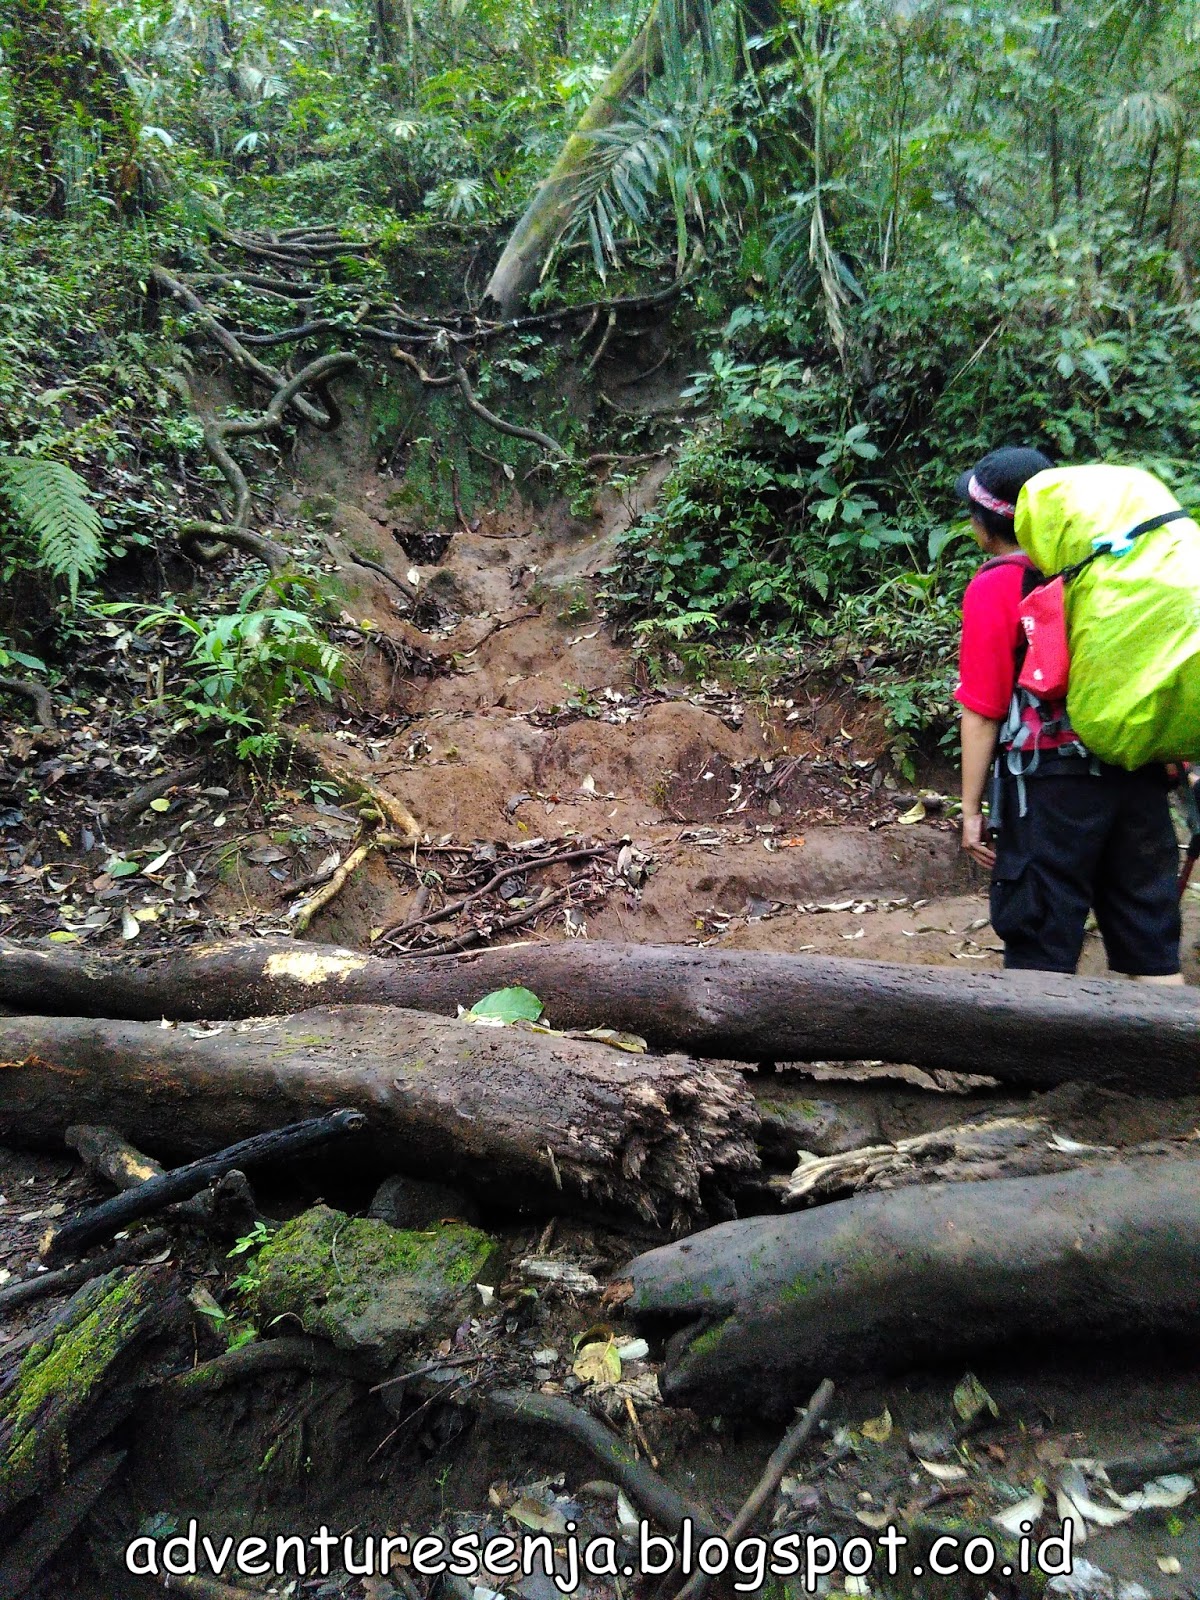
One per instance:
(1065,833)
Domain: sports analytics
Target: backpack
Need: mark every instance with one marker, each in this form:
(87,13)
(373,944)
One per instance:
(1127,556)
(1037,718)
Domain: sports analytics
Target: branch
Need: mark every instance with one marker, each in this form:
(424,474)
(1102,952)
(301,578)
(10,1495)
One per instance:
(781,1459)
(453,907)
(100,1222)
(43,703)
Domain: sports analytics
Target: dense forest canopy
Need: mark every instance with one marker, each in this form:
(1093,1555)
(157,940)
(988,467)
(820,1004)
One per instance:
(889,237)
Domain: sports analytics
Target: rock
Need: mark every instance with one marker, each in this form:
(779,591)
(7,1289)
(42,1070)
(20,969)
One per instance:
(404,1202)
(366,1286)
(823,1127)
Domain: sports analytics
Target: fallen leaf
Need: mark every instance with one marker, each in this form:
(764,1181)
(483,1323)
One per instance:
(161,804)
(914,814)
(1073,1484)
(944,1471)
(971,1398)
(1013,1518)
(1159,1494)
(878,1429)
(509,1005)
(875,1519)
(598,1362)
(130,926)
(619,1041)
(531,1513)
(1171,1565)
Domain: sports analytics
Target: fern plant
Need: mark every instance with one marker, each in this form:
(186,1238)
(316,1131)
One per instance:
(51,503)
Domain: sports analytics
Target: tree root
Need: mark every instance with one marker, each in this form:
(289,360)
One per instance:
(645,1488)
(304,911)
(292,1353)
(515,430)
(315,375)
(43,703)
(389,808)
(138,1247)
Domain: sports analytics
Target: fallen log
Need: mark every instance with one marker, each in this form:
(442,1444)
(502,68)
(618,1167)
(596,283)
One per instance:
(886,1281)
(525,1116)
(84,1374)
(1037,1029)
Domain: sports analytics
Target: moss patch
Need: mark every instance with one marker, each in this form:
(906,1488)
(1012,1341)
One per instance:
(57,1376)
(365,1285)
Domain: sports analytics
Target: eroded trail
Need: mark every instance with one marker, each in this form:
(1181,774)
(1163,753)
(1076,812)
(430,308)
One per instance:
(767,820)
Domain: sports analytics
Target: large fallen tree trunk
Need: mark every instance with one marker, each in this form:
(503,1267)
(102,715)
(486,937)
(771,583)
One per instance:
(524,1115)
(1027,1028)
(887,1281)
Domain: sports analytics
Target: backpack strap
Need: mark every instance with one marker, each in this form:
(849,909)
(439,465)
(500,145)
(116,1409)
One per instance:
(1120,543)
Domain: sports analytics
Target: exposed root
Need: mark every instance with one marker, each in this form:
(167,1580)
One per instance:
(291,1353)
(355,783)
(218,430)
(304,911)
(43,702)
(515,430)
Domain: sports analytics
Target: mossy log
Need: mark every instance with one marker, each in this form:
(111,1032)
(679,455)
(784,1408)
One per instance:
(523,1116)
(887,1281)
(81,1378)
(1035,1029)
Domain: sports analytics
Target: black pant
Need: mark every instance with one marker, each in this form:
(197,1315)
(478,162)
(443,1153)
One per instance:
(1104,841)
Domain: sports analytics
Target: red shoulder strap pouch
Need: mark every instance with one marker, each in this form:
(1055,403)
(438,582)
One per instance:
(1046,670)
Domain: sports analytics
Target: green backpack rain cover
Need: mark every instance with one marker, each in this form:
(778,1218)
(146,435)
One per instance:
(1133,620)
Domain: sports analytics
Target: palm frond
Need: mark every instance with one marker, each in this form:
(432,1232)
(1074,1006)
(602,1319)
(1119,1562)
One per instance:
(52,503)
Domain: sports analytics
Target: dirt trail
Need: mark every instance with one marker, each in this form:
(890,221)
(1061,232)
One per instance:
(767,822)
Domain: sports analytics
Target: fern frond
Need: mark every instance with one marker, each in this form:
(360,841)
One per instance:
(51,502)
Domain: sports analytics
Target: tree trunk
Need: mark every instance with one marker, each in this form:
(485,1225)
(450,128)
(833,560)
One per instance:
(549,212)
(1033,1029)
(888,1281)
(522,1115)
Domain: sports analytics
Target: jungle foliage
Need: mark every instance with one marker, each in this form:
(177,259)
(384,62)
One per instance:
(906,232)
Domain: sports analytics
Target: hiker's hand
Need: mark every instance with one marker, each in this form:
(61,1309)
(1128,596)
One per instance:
(973,841)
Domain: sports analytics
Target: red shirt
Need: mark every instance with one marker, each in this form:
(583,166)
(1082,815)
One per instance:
(991,630)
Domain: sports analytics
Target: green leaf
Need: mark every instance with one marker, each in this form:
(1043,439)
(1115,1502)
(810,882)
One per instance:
(53,503)
(509,1005)
(122,868)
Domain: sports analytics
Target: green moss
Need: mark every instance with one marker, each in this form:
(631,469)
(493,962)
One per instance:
(708,1341)
(357,1280)
(799,1289)
(69,1365)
